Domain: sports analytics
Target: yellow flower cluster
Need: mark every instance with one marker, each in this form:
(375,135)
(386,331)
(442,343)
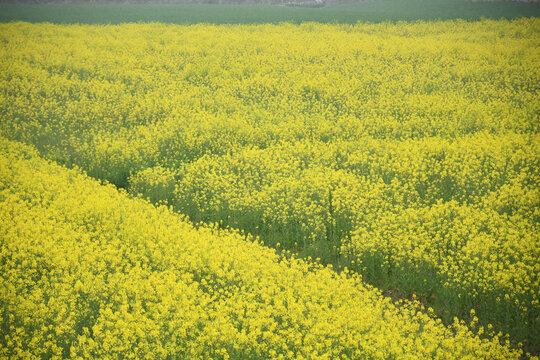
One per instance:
(87,272)
(408,152)
(454,220)
(117,99)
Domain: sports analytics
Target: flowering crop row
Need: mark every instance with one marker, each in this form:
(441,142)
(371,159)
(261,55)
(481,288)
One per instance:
(88,272)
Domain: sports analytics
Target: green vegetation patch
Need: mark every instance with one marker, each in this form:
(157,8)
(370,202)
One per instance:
(371,11)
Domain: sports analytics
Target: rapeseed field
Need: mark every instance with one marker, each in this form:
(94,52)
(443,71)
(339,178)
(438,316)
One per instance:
(405,156)
(87,272)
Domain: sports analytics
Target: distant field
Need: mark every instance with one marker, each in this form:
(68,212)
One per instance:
(373,11)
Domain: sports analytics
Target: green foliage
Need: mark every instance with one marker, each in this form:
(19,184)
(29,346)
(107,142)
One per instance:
(155,184)
(348,13)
